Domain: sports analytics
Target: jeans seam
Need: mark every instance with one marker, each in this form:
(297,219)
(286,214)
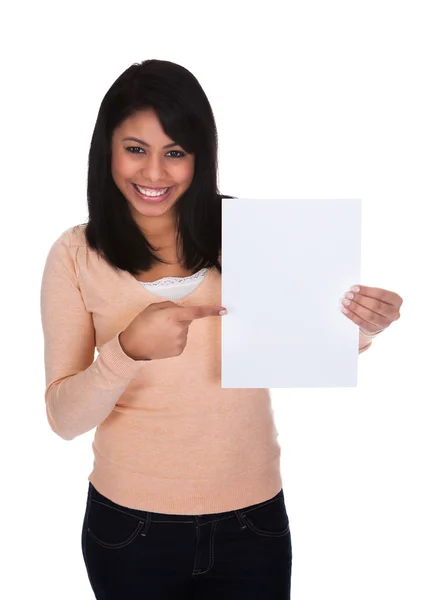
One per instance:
(120,545)
(119,510)
(235,512)
(257,531)
(85,539)
(211,551)
(262,504)
(172,521)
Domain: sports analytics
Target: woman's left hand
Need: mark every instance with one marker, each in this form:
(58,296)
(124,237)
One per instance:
(373,309)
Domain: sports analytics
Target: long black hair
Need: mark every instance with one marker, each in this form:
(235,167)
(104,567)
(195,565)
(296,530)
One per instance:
(187,118)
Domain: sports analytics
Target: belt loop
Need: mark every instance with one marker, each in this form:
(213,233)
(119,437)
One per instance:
(240,517)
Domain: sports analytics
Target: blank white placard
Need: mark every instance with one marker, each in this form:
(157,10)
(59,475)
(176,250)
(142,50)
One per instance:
(285,266)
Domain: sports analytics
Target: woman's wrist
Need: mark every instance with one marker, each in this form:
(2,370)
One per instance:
(363,348)
(366,338)
(369,334)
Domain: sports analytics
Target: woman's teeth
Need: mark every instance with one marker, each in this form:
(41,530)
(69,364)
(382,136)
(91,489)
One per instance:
(150,192)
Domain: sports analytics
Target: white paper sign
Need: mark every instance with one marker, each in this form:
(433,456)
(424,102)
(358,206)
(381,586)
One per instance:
(285,266)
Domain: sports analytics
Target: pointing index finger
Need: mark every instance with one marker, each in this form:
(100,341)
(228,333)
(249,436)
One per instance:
(189,313)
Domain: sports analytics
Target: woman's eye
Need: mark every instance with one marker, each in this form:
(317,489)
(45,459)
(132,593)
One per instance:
(132,150)
(180,154)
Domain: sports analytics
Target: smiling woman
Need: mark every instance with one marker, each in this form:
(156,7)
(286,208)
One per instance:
(185,490)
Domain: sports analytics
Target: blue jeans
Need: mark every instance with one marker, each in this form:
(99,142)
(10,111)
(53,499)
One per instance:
(236,555)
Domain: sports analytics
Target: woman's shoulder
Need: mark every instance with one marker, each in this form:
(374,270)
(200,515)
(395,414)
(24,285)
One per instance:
(77,235)
(73,236)
(67,242)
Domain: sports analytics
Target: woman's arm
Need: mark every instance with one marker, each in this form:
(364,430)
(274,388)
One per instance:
(80,391)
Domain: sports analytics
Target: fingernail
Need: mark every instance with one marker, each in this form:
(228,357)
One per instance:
(222,312)
(355,288)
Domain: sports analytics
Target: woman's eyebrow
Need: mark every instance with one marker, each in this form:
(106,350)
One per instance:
(133,139)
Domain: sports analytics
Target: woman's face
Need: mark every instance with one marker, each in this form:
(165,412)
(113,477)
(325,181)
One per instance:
(139,158)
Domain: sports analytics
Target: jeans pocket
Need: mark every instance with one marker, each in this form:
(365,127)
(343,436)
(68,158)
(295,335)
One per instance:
(270,519)
(114,528)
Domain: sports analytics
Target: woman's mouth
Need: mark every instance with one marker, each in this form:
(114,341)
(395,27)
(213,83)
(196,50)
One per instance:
(152,194)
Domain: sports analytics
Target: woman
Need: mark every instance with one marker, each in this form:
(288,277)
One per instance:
(185,498)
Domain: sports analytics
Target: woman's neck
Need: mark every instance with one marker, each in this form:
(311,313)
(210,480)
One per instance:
(161,233)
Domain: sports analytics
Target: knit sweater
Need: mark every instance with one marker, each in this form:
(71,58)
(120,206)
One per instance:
(168,438)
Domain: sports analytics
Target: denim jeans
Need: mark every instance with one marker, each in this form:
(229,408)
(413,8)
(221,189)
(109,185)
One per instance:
(241,554)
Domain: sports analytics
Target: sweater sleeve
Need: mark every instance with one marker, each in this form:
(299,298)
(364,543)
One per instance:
(80,391)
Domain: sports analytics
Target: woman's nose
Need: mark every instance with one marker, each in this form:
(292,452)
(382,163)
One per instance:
(153,170)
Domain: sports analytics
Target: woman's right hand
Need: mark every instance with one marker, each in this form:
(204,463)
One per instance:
(161,329)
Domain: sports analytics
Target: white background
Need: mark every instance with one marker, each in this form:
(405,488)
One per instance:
(312,99)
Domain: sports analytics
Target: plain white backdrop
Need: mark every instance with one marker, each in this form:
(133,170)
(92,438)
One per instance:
(312,99)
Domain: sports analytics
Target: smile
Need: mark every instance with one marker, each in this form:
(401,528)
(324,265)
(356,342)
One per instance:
(152,194)
(151,191)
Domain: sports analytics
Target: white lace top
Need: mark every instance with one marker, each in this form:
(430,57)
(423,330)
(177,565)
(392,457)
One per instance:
(175,288)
